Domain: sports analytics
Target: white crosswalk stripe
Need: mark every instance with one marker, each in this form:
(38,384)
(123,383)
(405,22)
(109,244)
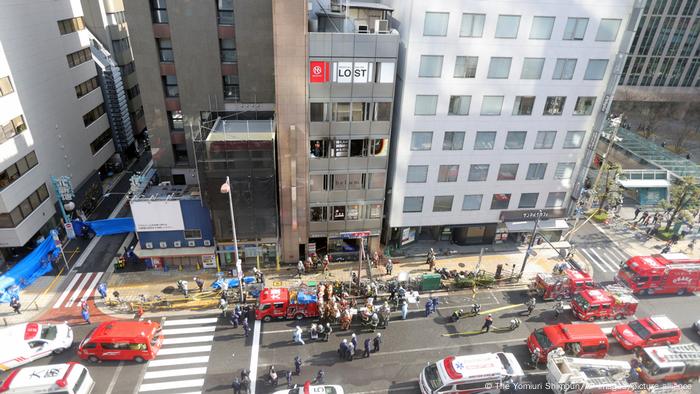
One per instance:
(603,260)
(80,288)
(181,363)
(592,260)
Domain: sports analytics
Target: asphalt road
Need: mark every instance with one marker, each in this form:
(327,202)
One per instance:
(602,254)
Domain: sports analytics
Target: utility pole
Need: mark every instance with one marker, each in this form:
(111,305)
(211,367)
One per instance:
(616,127)
(532,241)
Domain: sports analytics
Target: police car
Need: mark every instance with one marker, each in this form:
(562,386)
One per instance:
(68,378)
(27,342)
(309,389)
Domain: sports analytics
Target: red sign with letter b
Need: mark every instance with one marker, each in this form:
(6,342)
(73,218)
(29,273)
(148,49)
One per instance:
(319,72)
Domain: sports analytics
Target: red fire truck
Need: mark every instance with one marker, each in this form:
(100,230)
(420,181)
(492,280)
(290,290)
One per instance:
(282,303)
(660,274)
(558,287)
(670,363)
(610,302)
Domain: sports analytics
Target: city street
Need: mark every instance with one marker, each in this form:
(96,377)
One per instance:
(602,254)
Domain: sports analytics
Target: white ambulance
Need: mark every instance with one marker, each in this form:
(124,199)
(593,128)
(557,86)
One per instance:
(24,343)
(487,373)
(69,378)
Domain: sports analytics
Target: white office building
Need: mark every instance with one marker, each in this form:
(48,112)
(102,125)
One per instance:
(52,119)
(496,104)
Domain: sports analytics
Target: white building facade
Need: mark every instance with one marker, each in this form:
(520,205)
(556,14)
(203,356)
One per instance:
(496,104)
(51,115)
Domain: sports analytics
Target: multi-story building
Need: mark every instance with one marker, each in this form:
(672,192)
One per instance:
(352,57)
(107,21)
(52,115)
(496,105)
(663,61)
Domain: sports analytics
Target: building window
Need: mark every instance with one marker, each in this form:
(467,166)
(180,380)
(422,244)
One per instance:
(116,18)
(192,233)
(382,112)
(228,50)
(442,203)
(175,120)
(491,105)
(485,140)
(528,200)
(121,45)
(596,69)
(375,211)
(377,180)
(564,170)
(430,66)
(86,87)
(425,105)
(564,69)
(422,140)
(584,106)
(412,204)
(499,68)
(545,139)
(24,209)
(93,115)
(536,171)
(354,212)
(318,112)
(472,25)
(532,68)
(102,140)
(17,169)
(478,172)
(472,202)
(507,172)
(448,173)
(385,72)
(170,86)
(225,12)
(12,128)
(360,112)
(79,57)
(459,105)
(435,23)
(515,139)
(607,30)
(159,11)
(133,92)
(554,105)
(555,200)
(465,66)
(232,91)
(165,50)
(318,214)
(542,28)
(341,112)
(500,201)
(6,86)
(507,26)
(71,25)
(523,105)
(574,139)
(127,69)
(575,28)
(417,174)
(454,140)
(338,212)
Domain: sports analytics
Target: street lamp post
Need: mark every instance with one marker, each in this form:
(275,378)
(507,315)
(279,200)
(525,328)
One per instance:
(226,188)
(532,241)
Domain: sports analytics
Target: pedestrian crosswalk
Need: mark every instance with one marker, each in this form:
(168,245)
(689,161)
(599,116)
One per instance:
(603,259)
(181,364)
(80,288)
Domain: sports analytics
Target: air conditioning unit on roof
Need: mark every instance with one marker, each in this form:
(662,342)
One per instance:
(381,26)
(149,245)
(177,244)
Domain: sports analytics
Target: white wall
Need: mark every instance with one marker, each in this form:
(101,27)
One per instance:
(33,53)
(410,15)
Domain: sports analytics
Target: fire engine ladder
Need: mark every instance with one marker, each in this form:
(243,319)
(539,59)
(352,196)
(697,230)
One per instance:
(684,353)
(602,382)
(685,266)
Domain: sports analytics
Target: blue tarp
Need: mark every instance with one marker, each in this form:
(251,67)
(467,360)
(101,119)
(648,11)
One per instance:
(24,273)
(233,282)
(106,226)
(305,298)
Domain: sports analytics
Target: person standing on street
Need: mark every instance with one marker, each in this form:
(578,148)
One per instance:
(436,303)
(297,365)
(236,386)
(377,342)
(86,315)
(289,379)
(558,309)
(389,267)
(428,307)
(488,322)
(233,318)
(636,213)
(351,351)
(245,383)
(102,289)
(643,217)
(404,310)
(14,303)
(199,282)
(530,305)
(353,340)
(343,349)
(367,347)
(246,327)
(327,332)
(320,377)
(300,268)
(296,336)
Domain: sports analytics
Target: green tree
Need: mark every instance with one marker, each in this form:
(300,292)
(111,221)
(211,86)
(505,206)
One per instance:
(685,196)
(608,190)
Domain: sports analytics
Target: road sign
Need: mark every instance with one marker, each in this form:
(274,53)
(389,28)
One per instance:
(70,232)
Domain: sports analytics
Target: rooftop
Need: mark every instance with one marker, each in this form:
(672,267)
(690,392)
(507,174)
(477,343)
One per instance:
(165,191)
(241,130)
(356,17)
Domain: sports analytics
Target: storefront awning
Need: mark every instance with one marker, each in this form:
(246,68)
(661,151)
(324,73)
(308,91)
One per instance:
(550,224)
(643,183)
(172,252)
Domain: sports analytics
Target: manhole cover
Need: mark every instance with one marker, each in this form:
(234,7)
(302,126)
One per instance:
(461,265)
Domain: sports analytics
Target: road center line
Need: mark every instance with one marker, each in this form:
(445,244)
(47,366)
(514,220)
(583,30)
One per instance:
(112,382)
(257,328)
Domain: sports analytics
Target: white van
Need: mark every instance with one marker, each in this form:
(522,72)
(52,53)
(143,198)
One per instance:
(487,373)
(69,378)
